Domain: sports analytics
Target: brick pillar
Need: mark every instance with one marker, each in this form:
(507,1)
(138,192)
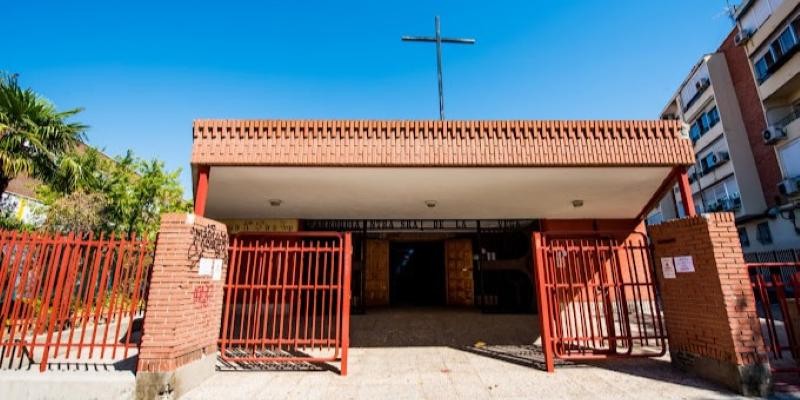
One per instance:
(710,313)
(184,307)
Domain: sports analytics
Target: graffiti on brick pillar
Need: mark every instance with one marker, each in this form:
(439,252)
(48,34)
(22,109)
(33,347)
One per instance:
(207,241)
(202,294)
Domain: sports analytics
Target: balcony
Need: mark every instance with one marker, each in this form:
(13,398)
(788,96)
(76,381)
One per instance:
(697,103)
(787,120)
(708,136)
(706,176)
(731,203)
(773,23)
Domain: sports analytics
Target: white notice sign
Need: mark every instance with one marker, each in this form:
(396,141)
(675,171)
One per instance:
(684,264)
(205,267)
(217,274)
(668,267)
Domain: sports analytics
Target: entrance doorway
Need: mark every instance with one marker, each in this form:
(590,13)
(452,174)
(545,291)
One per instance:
(417,273)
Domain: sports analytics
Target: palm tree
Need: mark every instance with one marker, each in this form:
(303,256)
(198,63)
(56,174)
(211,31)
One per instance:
(34,136)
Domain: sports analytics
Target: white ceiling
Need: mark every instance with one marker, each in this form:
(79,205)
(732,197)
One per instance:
(460,193)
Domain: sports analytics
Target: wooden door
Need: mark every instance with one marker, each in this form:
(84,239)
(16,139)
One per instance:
(458,270)
(376,273)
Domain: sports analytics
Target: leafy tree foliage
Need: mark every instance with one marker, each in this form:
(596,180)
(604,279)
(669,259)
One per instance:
(83,188)
(125,196)
(33,134)
(77,212)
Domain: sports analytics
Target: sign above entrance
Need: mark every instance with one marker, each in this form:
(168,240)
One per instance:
(417,225)
(260,225)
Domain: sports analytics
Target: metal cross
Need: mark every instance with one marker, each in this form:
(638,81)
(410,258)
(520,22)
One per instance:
(438,39)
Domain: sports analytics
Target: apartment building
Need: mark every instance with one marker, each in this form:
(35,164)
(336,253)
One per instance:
(741,123)
(769,35)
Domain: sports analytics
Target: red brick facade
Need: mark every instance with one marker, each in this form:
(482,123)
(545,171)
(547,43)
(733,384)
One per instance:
(184,309)
(744,84)
(710,314)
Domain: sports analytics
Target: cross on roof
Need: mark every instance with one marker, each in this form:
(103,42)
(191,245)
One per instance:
(438,39)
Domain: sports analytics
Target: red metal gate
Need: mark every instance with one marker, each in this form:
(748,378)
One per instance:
(776,286)
(70,298)
(597,297)
(287,299)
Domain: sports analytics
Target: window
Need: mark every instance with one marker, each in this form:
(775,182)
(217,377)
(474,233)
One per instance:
(764,64)
(703,123)
(694,132)
(713,117)
(787,40)
(777,52)
(743,238)
(762,68)
(711,161)
(764,236)
(789,155)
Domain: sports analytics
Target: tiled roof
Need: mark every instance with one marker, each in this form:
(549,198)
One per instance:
(437,143)
(24,185)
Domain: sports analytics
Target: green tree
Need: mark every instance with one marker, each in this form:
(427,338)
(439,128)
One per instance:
(34,136)
(77,212)
(123,196)
(139,191)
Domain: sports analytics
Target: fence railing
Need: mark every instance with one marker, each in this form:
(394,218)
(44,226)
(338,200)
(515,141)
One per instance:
(598,297)
(775,287)
(287,299)
(70,298)
(782,255)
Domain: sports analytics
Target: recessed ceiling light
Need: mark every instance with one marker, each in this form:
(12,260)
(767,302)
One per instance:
(431,203)
(577,203)
(275,202)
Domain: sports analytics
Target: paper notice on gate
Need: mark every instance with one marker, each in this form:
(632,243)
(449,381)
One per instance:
(668,267)
(217,273)
(684,264)
(205,266)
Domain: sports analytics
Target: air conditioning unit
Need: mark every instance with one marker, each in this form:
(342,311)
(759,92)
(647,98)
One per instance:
(773,134)
(702,84)
(742,37)
(669,117)
(713,160)
(789,186)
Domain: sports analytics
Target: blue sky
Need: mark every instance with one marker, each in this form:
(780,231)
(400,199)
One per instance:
(145,70)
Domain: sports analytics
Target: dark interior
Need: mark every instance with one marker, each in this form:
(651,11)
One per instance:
(417,276)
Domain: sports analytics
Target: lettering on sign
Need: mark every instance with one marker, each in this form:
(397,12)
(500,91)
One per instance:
(684,264)
(261,225)
(668,267)
(414,225)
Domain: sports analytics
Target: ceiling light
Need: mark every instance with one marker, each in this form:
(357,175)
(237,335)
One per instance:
(275,202)
(431,203)
(577,203)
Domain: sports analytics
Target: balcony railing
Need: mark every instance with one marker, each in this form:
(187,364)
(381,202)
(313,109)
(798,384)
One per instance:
(729,203)
(781,123)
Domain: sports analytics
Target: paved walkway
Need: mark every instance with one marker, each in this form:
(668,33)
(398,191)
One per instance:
(448,373)
(431,354)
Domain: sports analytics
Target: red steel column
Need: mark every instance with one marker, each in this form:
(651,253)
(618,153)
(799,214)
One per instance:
(686,193)
(202,190)
(544,310)
(345,293)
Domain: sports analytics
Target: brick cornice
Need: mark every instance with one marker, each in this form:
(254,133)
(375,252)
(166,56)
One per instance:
(439,143)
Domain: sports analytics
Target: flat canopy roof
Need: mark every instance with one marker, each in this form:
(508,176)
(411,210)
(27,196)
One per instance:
(473,169)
